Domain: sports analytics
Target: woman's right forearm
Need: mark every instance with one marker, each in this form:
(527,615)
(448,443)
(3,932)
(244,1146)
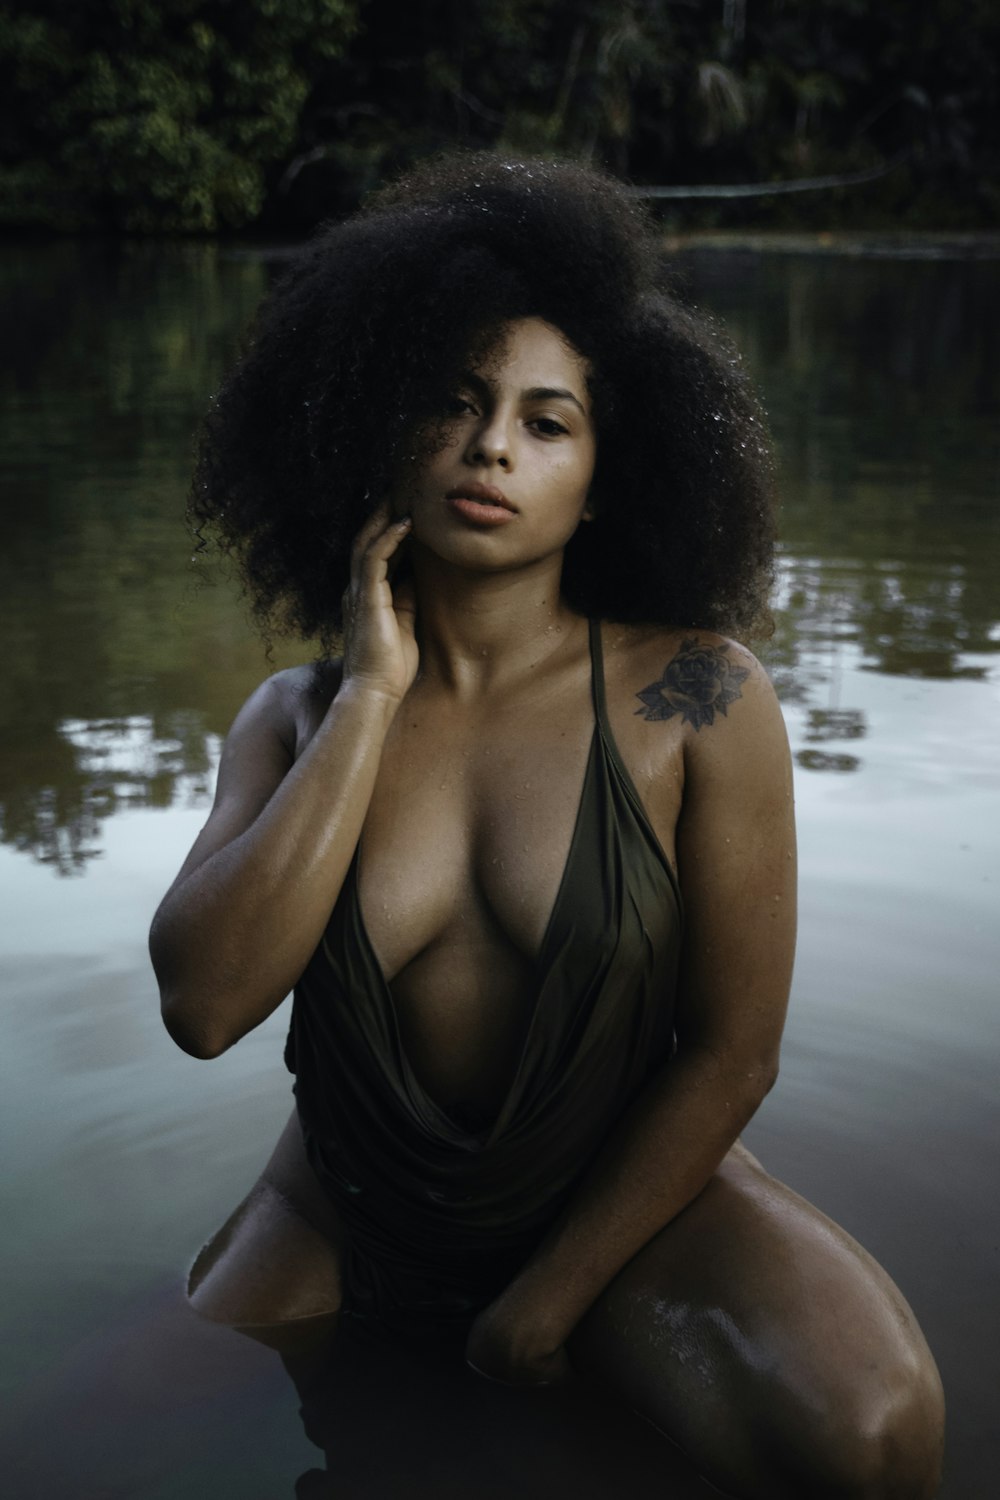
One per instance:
(232,937)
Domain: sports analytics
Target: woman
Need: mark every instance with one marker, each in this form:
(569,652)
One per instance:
(525,850)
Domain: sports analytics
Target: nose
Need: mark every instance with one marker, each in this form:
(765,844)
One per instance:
(489,443)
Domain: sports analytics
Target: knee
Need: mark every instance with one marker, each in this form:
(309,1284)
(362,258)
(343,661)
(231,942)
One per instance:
(266,1269)
(264,1318)
(886,1446)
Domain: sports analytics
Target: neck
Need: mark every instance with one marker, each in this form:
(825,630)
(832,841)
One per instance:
(477,631)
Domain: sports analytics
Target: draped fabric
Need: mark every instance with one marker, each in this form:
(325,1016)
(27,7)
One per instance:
(440,1216)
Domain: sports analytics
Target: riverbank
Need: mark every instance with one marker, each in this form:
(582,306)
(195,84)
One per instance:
(864,244)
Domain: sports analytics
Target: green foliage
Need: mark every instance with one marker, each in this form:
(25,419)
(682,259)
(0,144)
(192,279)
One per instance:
(668,92)
(200,115)
(147,117)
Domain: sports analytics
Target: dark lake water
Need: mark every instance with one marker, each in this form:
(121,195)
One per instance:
(121,673)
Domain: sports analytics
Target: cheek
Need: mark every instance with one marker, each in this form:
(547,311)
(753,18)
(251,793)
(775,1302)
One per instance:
(574,477)
(569,488)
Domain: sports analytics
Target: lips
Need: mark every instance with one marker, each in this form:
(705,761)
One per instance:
(484,494)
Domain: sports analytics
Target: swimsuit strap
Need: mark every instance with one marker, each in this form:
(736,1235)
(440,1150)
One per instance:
(614,766)
(597,679)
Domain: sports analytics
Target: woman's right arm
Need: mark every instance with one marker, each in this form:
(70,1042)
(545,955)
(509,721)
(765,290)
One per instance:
(240,922)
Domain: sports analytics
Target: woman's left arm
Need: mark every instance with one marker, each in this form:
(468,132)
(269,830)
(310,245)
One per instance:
(736,859)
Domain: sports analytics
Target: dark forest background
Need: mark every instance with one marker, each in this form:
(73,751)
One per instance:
(208,116)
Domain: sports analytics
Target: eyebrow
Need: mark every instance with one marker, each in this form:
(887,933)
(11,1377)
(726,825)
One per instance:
(551,393)
(534,393)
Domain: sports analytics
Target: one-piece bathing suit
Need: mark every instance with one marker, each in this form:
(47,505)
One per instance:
(439,1215)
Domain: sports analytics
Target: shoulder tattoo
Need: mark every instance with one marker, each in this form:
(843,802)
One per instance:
(698,683)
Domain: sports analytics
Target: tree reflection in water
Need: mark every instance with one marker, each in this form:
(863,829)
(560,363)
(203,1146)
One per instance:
(103,767)
(119,676)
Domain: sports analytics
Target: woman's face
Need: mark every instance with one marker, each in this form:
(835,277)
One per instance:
(509,483)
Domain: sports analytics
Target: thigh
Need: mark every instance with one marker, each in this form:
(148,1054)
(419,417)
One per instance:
(276,1261)
(767,1343)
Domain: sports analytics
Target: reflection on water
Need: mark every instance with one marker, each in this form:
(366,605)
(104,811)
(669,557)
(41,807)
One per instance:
(835,724)
(882,384)
(110,351)
(107,766)
(120,675)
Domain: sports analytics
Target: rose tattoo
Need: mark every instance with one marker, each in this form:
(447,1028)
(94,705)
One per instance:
(698,683)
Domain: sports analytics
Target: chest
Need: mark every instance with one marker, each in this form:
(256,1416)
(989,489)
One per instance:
(467,836)
(471,829)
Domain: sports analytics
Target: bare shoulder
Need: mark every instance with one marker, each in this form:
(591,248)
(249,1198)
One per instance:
(295,700)
(698,677)
(267,736)
(695,692)
(272,729)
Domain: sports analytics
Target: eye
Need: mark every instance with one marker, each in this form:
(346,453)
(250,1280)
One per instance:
(549,426)
(457,406)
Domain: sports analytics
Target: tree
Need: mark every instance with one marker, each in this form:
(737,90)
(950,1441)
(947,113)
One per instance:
(154,115)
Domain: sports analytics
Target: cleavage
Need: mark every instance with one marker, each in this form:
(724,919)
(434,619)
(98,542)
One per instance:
(470,858)
(457,923)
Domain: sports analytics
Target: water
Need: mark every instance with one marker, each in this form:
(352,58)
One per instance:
(121,675)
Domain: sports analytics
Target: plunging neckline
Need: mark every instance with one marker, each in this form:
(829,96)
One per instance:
(602,753)
(416,1089)
(441,1212)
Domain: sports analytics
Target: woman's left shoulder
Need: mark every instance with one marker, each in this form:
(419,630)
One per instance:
(694,676)
(708,693)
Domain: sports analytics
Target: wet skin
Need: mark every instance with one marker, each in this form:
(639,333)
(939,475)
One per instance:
(701,1291)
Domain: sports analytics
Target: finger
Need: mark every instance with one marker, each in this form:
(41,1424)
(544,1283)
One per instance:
(377,536)
(375,559)
(386,544)
(531,1381)
(375,524)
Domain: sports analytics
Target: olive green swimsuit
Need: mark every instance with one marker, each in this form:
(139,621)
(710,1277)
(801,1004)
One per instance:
(440,1215)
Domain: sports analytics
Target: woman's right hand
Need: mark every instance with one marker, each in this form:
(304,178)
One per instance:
(380,646)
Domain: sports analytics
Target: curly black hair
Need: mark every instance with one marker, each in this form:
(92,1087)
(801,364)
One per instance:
(356,350)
